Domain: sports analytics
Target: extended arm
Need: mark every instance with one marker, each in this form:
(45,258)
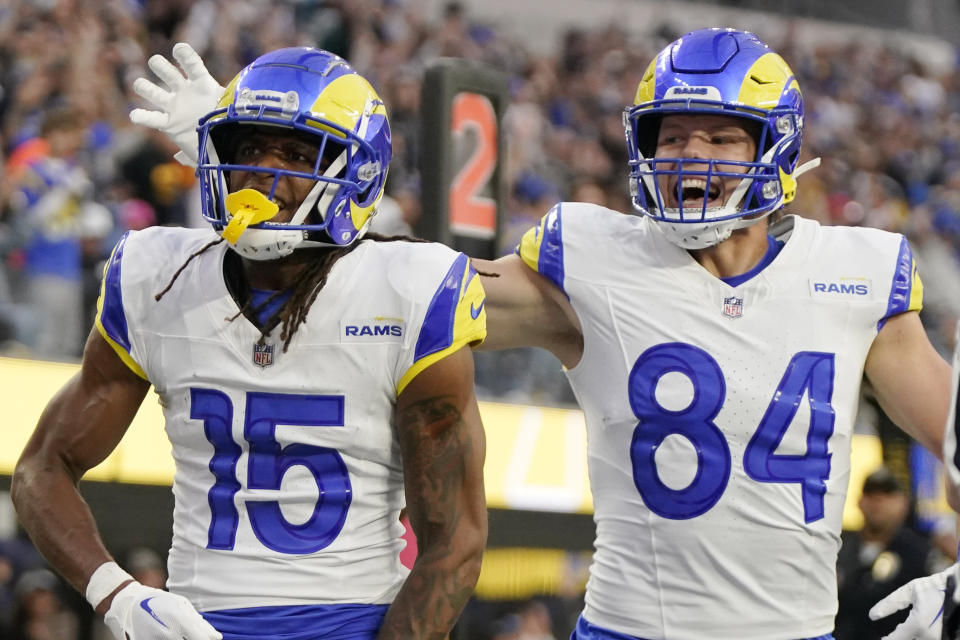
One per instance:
(524,309)
(912,384)
(951,459)
(911,380)
(442,444)
(78,429)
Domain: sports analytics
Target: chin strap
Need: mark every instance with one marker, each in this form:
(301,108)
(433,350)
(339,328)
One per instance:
(806,166)
(743,223)
(326,190)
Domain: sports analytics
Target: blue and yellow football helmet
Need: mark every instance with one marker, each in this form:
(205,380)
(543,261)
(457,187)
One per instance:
(717,72)
(318,95)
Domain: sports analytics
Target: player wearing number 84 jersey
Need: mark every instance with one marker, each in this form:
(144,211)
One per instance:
(718,439)
(718,357)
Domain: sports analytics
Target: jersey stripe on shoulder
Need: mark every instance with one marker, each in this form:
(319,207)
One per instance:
(111,319)
(906,291)
(455,317)
(541,247)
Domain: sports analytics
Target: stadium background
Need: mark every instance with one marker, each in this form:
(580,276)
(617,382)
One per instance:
(882,89)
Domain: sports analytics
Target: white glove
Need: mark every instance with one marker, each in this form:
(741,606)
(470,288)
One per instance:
(139,612)
(925,596)
(182,104)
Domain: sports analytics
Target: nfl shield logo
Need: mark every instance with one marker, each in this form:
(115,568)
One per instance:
(733,307)
(263,354)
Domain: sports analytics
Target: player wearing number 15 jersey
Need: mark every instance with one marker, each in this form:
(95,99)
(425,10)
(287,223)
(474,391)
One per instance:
(314,382)
(718,357)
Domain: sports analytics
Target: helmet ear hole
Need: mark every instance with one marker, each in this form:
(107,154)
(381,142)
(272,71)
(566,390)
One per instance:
(648,134)
(364,195)
(225,138)
(757,131)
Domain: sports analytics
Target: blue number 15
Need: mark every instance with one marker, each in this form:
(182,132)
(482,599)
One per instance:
(808,372)
(267,463)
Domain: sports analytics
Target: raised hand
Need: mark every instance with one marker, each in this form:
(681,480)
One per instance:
(190,93)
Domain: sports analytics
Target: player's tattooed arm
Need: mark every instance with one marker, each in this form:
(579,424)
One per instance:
(442,444)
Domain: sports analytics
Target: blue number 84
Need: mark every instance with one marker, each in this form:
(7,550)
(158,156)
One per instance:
(808,371)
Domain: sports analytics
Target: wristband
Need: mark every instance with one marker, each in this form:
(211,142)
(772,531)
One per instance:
(103,581)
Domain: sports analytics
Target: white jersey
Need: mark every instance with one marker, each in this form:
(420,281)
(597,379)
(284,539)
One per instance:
(719,418)
(288,482)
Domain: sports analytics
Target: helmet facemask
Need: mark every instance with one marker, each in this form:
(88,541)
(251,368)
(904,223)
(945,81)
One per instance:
(715,72)
(337,129)
(756,193)
(314,220)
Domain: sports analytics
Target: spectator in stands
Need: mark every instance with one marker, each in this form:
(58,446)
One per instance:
(40,613)
(882,556)
(146,567)
(53,208)
(879,111)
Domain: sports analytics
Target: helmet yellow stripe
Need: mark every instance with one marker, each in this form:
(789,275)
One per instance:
(645,90)
(766,81)
(335,103)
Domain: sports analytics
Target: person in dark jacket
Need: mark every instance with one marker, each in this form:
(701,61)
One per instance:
(882,556)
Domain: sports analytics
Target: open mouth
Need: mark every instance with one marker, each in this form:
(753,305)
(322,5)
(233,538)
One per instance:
(694,192)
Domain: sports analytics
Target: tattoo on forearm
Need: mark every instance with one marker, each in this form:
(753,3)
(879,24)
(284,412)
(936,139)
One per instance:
(435,443)
(434,447)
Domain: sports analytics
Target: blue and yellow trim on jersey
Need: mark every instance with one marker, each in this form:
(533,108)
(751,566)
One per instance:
(906,291)
(111,320)
(541,248)
(455,317)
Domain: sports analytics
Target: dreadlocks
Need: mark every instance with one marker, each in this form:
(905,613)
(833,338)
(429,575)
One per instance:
(184,266)
(294,311)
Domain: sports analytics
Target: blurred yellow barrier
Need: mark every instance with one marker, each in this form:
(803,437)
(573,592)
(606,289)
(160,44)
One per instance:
(536,456)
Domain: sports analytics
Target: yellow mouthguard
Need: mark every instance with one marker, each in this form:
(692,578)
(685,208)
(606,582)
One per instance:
(247,207)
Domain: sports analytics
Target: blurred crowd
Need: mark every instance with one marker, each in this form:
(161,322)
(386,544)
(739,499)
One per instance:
(35,603)
(75,174)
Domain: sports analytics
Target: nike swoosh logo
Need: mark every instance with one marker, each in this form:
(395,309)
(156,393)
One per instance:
(475,311)
(939,613)
(145,605)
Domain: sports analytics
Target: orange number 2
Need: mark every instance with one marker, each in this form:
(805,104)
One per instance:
(472,214)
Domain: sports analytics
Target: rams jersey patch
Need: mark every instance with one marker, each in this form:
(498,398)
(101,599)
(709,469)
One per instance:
(854,288)
(372,329)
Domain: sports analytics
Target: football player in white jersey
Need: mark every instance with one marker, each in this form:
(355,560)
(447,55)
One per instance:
(718,354)
(314,383)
